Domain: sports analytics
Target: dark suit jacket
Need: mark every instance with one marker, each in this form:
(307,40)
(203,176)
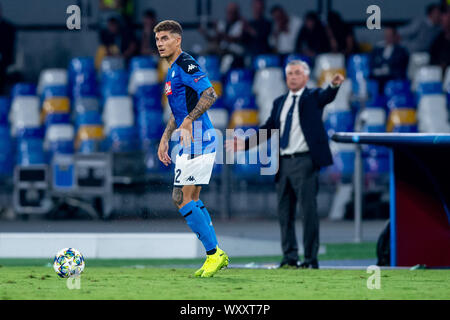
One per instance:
(311,106)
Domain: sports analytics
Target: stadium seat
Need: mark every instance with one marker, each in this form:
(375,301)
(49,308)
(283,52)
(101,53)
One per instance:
(52,77)
(328,61)
(417,60)
(432,114)
(237,76)
(29,146)
(427,74)
(395,87)
(446,85)
(150,124)
(6,149)
(142,77)
(59,138)
(143,62)
(327,75)
(23,89)
(111,64)
(374,119)
(5,104)
(401,100)
(54,91)
(211,65)
(89,138)
(118,112)
(55,105)
(266,61)
(339,121)
(86,104)
(358,66)
(24,113)
(401,120)
(81,65)
(218,117)
(244,118)
(268,84)
(295,56)
(343,162)
(57,118)
(218,88)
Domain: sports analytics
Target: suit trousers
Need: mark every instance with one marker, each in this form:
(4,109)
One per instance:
(298,184)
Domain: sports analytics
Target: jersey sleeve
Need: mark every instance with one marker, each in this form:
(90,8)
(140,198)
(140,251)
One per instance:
(193,76)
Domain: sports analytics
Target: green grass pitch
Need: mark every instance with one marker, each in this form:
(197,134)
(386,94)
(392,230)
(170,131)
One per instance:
(173,279)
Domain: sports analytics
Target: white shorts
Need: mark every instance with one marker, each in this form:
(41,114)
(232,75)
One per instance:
(195,171)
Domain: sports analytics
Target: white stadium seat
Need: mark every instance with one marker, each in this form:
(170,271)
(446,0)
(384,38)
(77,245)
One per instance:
(427,74)
(118,112)
(218,117)
(51,77)
(328,61)
(24,113)
(142,77)
(59,132)
(432,114)
(417,60)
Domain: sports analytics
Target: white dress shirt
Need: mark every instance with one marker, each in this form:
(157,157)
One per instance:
(297,142)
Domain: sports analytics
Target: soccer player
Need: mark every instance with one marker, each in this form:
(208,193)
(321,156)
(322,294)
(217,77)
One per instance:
(190,94)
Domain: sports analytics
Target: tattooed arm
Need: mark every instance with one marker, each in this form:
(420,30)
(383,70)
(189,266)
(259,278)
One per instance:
(207,99)
(163,149)
(170,128)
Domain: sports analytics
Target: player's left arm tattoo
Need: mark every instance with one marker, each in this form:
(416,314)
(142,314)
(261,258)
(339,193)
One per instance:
(207,99)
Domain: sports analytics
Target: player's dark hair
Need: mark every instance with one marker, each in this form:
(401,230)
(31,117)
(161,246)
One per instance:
(168,25)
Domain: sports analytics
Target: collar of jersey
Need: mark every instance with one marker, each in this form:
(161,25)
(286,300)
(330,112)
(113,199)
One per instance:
(176,59)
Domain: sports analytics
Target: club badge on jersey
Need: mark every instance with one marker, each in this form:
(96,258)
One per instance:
(168,88)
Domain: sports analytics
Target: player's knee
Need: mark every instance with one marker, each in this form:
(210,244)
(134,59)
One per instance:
(177,196)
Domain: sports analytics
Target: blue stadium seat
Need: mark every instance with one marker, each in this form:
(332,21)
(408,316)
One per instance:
(54,91)
(236,91)
(211,65)
(150,124)
(401,100)
(395,87)
(143,62)
(425,88)
(84,90)
(148,91)
(6,149)
(29,147)
(295,56)
(5,105)
(266,61)
(82,65)
(23,89)
(57,118)
(244,103)
(123,139)
(339,121)
(238,76)
(406,129)
(358,64)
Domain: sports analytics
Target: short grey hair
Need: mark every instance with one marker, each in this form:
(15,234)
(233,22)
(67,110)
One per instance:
(305,66)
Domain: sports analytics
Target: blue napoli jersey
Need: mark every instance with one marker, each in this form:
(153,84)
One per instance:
(185,82)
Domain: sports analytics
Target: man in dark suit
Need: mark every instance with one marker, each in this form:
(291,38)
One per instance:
(389,61)
(303,150)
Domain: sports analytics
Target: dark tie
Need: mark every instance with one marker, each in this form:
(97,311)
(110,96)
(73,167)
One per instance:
(287,125)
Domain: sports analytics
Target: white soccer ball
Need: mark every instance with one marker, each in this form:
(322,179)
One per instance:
(68,262)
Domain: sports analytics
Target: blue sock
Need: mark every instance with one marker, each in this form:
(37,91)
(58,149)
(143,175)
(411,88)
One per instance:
(208,219)
(196,221)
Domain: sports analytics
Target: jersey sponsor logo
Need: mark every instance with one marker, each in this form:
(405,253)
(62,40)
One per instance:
(168,88)
(173,73)
(191,67)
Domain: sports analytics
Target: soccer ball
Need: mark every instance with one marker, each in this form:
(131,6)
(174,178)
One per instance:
(68,262)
